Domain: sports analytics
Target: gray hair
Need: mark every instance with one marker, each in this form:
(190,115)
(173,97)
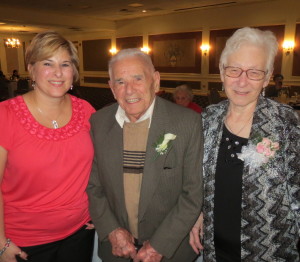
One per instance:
(183,88)
(130,52)
(247,35)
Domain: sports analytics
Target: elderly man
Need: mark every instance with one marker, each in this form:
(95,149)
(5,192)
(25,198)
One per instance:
(145,188)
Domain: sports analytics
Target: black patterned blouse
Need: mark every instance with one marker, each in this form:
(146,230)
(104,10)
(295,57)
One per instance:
(270,202)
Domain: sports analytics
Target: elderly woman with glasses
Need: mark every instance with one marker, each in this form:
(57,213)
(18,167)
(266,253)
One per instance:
(251,162)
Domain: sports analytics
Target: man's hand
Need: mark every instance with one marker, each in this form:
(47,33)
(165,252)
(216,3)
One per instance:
(195,235)
(122,243)
(147,254)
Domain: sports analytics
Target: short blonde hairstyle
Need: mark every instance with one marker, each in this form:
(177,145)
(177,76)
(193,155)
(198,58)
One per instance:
(44,45)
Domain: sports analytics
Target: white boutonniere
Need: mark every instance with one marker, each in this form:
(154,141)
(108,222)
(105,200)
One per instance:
(258,152)
(164,143)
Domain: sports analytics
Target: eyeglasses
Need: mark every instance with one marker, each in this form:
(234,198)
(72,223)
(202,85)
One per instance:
(252,74)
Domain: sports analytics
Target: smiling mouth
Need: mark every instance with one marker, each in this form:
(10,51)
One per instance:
(241,93)
(56,82)
(133,100)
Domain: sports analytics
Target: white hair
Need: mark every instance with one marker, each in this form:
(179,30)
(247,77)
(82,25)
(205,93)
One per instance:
(247,35)
(130,52)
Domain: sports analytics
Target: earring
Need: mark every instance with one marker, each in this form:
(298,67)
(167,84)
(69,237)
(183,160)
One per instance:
(263,92)
(33,84)
(71,88)
(223,88)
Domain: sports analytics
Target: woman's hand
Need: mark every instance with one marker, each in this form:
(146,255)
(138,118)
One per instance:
(196,234)
(89,226)
(11,252)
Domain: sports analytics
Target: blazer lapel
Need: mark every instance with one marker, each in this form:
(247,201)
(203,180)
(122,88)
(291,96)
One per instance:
(153,163)
(114,155)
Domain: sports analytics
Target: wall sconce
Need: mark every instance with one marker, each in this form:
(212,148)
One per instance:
(288,47)
(113,51)
(145,49)
(205,49)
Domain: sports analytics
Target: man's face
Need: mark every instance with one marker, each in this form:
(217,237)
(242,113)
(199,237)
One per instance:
(134,86)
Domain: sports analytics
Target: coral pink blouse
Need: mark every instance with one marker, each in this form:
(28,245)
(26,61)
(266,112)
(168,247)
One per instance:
(46,173)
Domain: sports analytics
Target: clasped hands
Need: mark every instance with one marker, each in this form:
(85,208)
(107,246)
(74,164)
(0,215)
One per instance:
(122,243)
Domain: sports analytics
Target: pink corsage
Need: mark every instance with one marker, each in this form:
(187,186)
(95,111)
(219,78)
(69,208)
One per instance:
(258,153)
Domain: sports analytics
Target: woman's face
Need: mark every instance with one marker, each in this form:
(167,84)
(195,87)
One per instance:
(242,91)
(182,98)
(53,76)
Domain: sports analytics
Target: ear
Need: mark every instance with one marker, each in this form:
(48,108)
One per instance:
(112,88)
(221,73)
(156,77)
(30,71)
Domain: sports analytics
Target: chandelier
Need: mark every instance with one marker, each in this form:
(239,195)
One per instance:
(12,42)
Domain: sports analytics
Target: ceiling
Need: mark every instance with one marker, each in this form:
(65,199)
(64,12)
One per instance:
(33,16)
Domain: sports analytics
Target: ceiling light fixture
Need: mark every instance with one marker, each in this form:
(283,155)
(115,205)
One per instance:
(12,43)
(136,5)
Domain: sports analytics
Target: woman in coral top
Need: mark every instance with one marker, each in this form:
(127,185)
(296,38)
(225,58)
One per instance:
(45,160)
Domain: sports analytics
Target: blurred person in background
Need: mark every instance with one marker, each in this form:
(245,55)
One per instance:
(183,96)
(15,75)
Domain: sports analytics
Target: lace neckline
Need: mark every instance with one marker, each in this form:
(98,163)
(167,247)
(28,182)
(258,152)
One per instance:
(27,120)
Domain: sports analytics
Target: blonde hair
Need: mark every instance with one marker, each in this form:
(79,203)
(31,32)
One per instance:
(46,44)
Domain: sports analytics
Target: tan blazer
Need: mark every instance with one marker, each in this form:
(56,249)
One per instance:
(171,193)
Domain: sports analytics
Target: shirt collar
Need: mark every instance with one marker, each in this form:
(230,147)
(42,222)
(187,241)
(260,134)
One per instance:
(121,115)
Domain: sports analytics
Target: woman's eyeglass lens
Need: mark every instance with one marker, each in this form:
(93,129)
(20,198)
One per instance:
(252,74)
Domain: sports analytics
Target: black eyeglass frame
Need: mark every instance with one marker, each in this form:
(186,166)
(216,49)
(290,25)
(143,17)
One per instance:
(246,71)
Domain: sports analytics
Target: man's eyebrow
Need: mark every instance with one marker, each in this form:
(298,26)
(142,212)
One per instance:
(138,75)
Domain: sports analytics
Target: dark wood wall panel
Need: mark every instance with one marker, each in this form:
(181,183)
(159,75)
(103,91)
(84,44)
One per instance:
(176,53)
(175,83)
(296,61)
(129,42)
(92,79)
(96,54)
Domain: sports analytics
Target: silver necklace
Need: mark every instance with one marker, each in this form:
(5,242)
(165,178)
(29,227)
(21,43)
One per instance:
(54,122)
(247,122)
